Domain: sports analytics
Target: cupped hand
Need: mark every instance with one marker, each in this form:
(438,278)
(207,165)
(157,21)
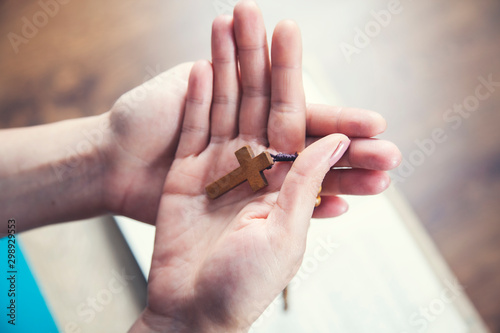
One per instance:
(144,130)
(218,263)
(145,123)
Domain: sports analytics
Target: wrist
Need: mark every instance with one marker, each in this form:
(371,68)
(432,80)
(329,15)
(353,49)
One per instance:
(149,322)
(135,172)
(105,149)
(56,170)
(84,164)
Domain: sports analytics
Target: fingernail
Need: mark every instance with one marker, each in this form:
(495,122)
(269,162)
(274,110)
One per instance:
(339,151)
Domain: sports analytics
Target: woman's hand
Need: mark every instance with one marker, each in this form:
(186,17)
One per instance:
(145,123)
(218,263)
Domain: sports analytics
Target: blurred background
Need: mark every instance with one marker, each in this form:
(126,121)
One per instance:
(431,68)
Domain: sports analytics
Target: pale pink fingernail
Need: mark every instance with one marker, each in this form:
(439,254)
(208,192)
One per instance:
(339,151)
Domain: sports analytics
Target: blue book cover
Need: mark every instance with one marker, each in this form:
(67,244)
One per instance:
(23,308)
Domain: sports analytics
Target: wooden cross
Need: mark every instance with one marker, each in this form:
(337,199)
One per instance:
(251,169)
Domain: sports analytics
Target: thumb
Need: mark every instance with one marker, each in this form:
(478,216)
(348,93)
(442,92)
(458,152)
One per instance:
(296,199)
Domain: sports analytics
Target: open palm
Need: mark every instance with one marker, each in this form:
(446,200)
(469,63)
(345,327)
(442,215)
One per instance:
(217,264)
(146,122)
(221,253)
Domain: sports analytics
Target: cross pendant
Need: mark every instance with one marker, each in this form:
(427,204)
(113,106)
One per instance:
(251,169)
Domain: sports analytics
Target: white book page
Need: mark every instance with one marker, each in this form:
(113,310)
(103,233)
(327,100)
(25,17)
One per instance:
(363,272)
(140,238)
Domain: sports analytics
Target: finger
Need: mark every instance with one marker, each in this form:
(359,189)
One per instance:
(296,199)
(287,120)
(195,125)
(372,154)
(331,206)
(324,119)
(253,53)
(355,181)
(225,101)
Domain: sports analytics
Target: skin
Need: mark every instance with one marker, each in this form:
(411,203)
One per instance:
(216,264)
(223,261)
